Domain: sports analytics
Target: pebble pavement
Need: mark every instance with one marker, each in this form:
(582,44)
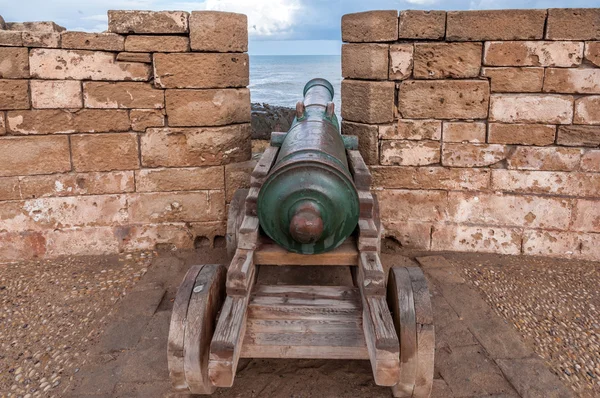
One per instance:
(554,304)
(50,313)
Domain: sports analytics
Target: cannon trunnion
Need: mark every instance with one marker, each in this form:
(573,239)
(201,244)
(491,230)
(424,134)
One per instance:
(309,203)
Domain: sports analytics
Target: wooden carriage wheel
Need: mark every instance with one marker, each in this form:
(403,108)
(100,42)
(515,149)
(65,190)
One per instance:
(197,303)
(408,300)
(235,216)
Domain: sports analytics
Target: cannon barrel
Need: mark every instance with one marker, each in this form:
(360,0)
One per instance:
(309,203)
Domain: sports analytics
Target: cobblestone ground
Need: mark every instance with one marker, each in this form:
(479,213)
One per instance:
(49,312)
(554,304)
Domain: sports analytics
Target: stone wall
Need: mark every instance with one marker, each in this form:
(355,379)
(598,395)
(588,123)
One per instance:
(120,141)
(482,128)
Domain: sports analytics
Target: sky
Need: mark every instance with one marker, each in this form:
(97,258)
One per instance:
(276,27)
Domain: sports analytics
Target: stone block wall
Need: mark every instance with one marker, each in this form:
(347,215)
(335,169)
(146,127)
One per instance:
(482,128)
(123,140)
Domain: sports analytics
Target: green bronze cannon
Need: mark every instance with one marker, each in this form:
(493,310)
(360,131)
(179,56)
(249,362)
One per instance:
(309,203)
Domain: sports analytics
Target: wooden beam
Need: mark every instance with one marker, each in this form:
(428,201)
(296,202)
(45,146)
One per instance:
(241,273)
(370,274)
(359,170)
(269,253)
(248,234)
(262,168)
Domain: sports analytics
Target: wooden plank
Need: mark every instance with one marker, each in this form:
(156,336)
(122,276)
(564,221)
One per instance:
(300,302)
(270,253)
(299,325)
(277,138)
(241,273)
(341,338)
(366,202)
(268,311)
(248,234)
(359,170)
(177,329)
(262,168)
(303,352)
(423,311)
(370,274)
(425,355)
(308,291)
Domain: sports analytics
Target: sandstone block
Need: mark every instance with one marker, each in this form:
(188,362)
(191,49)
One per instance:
(444,99)
(2,124)
(521,134)
(483,25)
(546,182)
(135,57)
(34,155)
(412,205)
(412,235)
(14,94)
(48,94)
(436,177)
(586,215)
(368,143)
(592,52)
(447,60)
(37,39)
(18,246)
(124,95)
(416,24)
(58,185)
(237,176)
(590,160)
(579,81)
(531,108)
(587,110)
(472,155)
(562,54)
(93,41)
(578,136)
(476,239)
(179,179)
(409,153)
(218,31)
(154,22)
(464,132)
(218,70)
(365,61)
(81,241)
(573,24)
(562,244)
(511,80)
(370,26)
(553,158)
(105,152)
(408,129)
(9,188)
(157,44)
(367,101)
(141,119)
(11,39)
(177,206)
(191,147)
(57,121)
(84,65)
(401,61)
(208,107)
(37,26)
(14,63)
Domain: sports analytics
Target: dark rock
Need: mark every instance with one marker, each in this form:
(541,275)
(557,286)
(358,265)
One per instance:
(267,118)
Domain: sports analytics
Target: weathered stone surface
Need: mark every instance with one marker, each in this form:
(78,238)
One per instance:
(546,182)
(135,57)
(464,132)
(476,239)
(365,61)
(587,110)
(105,152)
(447,60)
(573,24)
(408,129)
(443,99)
(368,101)
(578,136)
(531,108)
(57,121)
(92,41)
(177,206)
(141,119)
(533,53)
(368,143)
(590,160)
(34,155)
(84,65)
(579,81)
(49,94)
(401,61)
(412,205)
(409,153)
(189,147)
(532,158)
(562,244)
(179,179)
(124,95)
(14,94)
(208,107)
(443,178)
(521,134)
(586,215)
(218,70)
(157,44)
(412,235)
(2,124)
(154,22)
(14,63)
(370,26)
(76,184)
(486,25)
(592,52)
(416,24)
(11,39)
(37,39)
(37,26)
(218,31)
(9,188)
(472,155)
(237,176)
(515,80)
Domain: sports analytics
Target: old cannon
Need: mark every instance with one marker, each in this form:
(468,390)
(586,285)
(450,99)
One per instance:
(309,203)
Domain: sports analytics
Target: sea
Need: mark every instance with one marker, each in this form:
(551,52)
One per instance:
(279,80)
